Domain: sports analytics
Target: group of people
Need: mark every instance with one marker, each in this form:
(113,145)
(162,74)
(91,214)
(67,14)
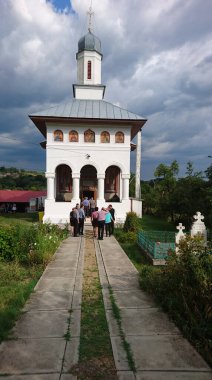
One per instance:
(8,207)
(89,205)
(102,220)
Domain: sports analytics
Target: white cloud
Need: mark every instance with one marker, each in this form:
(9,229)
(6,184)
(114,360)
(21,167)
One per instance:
(157,63)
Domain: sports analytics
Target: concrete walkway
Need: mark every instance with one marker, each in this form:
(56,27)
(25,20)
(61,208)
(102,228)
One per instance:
(39,351)
(159,350)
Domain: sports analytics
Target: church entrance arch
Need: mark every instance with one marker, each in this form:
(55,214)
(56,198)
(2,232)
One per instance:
(112,184)
(88,182)
(63,183)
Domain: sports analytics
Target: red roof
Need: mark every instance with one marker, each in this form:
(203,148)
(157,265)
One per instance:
(19,196)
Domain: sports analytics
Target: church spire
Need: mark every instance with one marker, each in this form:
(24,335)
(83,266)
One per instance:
(89,57)
(90,14)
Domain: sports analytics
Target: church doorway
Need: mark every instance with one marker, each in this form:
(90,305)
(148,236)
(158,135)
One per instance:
(112,184)
(63,183)
(88,182)
(87,193)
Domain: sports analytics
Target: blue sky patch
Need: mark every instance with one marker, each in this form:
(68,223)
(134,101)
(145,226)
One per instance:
(61,5)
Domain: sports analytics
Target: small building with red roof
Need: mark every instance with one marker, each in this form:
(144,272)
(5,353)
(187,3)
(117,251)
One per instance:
(23,199)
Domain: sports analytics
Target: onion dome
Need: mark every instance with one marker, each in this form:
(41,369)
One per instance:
(89,42)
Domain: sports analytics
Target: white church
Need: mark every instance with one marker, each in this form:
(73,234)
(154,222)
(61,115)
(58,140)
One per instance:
(88,144)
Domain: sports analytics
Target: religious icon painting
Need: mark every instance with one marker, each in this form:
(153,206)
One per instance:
(105,137)
(73,136)
(119,138)
(89,136)
(58,135)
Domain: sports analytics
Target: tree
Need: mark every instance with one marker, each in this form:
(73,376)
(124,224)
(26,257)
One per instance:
(164,188)
(208,173)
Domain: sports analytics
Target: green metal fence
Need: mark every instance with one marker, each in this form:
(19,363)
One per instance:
(157,243)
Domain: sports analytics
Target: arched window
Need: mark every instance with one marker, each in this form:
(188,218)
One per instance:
(73,136)
(63,183)
(112,184)
(58,135)
(89,70)
(105,137)
(89,136)
(119,137)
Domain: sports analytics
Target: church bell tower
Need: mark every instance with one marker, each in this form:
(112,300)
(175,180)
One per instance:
(89,61)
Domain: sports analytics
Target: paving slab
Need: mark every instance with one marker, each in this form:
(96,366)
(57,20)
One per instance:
(78,283)
(59,272)
(29,356)
(165,352)
(118,271)
(71,355)
(64,263)
(49,301)
(135,299)
(77,300)
(173,375)
(150,321)
(75,323)
(40,324)
(123,282)
(55,284)
(106,298)
(119,354)
(68,377)
(125,375)
(66,254)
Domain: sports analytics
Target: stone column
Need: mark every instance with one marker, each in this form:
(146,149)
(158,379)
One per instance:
(50,185)
(76,187)
(101,187)
(125,192)
(138,167)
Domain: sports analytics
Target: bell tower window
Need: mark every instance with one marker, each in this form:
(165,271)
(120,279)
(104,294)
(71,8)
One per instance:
(89,70)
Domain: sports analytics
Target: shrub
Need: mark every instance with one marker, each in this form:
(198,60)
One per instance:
(6,234)
(183,288)
(125,237)
(131,223)
(30,244)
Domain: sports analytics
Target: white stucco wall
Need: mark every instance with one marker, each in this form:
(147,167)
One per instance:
(101,156)
(82,64)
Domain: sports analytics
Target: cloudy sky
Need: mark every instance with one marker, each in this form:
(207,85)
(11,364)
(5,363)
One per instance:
(157,63)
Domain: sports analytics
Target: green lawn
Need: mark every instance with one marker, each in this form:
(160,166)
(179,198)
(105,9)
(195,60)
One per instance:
(19,217)
(16,284)
(155,224)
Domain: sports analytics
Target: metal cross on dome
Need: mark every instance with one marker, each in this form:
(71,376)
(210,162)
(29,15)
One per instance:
(90,13)
(199,217)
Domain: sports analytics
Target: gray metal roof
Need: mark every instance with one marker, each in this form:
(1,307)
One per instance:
(88,109)
(89,42)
